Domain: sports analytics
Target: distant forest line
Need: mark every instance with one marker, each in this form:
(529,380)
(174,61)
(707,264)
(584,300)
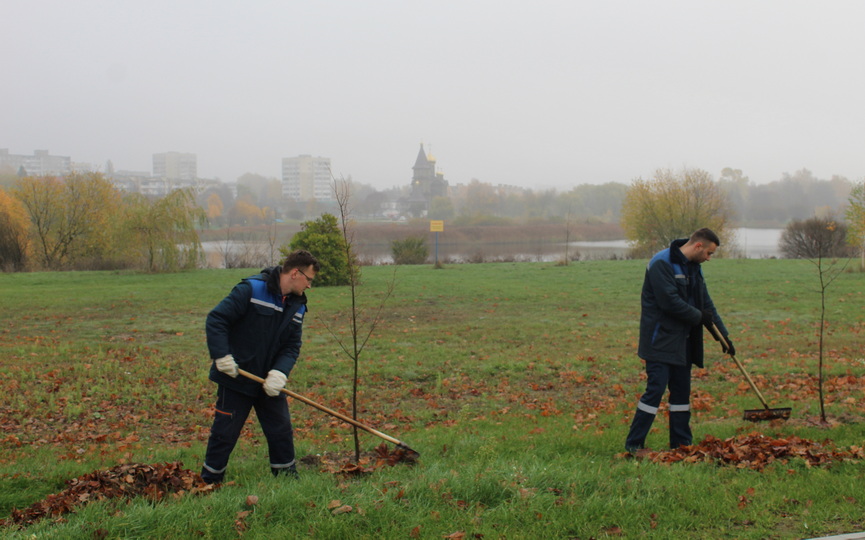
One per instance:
(257,200)
(795,196)
(84,221)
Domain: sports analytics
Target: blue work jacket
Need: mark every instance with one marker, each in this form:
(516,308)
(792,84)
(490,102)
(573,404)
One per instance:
(672,300)
(259,327)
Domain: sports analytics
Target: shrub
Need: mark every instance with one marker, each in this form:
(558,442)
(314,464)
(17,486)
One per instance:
(412,250)
(323,238)
(814,238)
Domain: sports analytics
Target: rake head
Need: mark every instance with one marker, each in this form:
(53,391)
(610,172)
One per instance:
(407,454)
(761,415)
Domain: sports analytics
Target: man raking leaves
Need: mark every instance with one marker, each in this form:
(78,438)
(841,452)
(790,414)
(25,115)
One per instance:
(675,305)
(257,327)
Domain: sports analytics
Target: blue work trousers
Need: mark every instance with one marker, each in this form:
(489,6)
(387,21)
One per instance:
(660,377)
(232,410)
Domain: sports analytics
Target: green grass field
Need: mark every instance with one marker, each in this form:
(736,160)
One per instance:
(515,381)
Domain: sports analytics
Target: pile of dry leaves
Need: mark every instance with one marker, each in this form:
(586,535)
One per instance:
(151,481)
(755,451)
(156,481)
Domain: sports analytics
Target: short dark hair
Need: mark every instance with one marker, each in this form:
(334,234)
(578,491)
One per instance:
(705,235)
(300,258)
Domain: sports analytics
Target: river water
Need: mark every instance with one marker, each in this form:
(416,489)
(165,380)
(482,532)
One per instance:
(750,243)
(758,243)
(747,243)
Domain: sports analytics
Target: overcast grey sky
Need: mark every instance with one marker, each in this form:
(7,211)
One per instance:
(535,94)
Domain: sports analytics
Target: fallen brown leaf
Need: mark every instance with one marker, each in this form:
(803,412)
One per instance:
(344,509)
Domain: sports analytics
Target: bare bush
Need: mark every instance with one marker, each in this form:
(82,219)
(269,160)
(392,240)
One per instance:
(814,238)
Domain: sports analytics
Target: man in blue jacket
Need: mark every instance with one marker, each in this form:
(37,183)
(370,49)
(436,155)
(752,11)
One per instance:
(258,328)
(675,307)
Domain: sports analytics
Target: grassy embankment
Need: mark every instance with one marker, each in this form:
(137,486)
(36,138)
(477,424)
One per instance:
(516,382)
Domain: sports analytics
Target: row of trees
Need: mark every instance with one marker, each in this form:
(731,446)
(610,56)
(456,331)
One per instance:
(83,222)
(794,196)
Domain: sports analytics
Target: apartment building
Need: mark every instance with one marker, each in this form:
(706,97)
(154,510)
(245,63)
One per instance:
(41,163)
(175,166)
(307,178)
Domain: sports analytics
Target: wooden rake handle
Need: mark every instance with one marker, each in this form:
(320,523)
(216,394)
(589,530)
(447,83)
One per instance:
(718,337)
(331,412)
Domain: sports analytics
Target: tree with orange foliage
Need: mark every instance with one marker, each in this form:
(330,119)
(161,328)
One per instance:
(215,206)
(72,217)
(248,213)
(14,231)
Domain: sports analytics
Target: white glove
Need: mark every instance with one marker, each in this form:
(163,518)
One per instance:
(274,382)
(227,365)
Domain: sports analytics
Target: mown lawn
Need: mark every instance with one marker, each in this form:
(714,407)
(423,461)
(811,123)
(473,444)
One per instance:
(515,381)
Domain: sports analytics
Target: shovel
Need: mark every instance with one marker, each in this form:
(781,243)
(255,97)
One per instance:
(401,445)
(752,415)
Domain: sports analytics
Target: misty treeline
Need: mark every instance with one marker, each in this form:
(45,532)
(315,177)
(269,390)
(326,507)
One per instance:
(85,222)
(259,200)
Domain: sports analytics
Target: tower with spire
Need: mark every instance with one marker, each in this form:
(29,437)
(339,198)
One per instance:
(426,183)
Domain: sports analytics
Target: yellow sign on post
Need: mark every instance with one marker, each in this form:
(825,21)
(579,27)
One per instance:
(437,226)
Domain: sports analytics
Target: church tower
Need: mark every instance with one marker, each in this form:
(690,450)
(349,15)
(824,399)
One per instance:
(426,183)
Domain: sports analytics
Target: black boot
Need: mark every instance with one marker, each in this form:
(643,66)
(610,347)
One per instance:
(211,478)
(640,427)
(290,472)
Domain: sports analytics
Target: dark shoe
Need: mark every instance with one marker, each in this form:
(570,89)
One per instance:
(210,478)
(291,472)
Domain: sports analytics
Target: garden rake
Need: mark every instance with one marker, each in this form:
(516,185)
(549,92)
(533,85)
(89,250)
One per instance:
(752,415)
(413,454)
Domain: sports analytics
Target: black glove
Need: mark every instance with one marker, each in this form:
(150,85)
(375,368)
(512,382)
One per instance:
(707,318)
(729,349)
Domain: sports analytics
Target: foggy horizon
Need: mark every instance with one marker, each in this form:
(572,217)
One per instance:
(539,96)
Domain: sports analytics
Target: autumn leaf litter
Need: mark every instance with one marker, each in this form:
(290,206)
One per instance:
(754,451)
(156,482)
